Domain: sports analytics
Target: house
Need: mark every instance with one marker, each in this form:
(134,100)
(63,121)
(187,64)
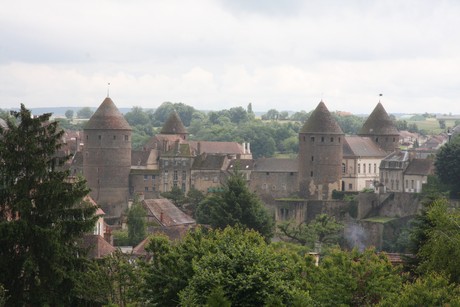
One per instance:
(164,213)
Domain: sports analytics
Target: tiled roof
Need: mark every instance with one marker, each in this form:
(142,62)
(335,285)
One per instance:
(107,116)
(208,162)
(183,149)
(96,246)
(378,123)
(173,125)
(423,167)
(357,146)
(276,165)
(166,213)
(321,121)
(397,156)
(217,147)
(139,157)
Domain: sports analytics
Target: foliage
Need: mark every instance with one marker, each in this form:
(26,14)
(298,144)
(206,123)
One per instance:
(176,195)
(354,279)
(217,298)
(194,197)
(441,248)
(430,290)
(162,113)
(448,166)
(136,220)
(137,116)
(236,205)
(120,237)
(323,230)
(85,112)
(245,267)
(350,124)
(69,114)
(42,214)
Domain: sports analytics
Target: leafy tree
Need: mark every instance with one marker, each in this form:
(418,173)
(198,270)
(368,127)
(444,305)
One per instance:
(136,221)
(323,230)
(69,114)
(238,115)
(442,123)
(248,270)
(217,298)
(42,214)
(447,165)
(137,116)
(176,195)
(85,112)
(194,197)
(354,279)
(300,116)
(236,205)
(429,290)
(271,114)
(162,113)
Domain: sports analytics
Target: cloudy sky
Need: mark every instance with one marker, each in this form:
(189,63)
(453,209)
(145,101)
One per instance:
(215,54)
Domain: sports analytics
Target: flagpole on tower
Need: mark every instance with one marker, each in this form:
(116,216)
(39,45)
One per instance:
(108,89)
(380,95)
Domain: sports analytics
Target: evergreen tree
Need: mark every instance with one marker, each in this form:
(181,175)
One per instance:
(42,215)
(235,205)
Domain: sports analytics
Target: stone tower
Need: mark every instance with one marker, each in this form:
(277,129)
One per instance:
(174,125)
(381,129)
(107,158)
(320,155)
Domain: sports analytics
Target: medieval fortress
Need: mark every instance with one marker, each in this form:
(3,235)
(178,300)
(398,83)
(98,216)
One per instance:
(327,161)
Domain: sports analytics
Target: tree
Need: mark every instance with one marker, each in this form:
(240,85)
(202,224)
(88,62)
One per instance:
(42,214)
(235,205)
(136,223)
(176,195)
(85,112)
(137,116)
(354,279)
(322,230)
(69,114)
(447,166)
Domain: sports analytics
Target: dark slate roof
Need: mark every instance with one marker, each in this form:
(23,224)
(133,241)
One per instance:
(397,156)
(420,167)
(173,125)
(139,157)
(321,121)
(378,123)
(164,211)
(107,116)
(276,165)
(358,146)
(208,162)
(242,164)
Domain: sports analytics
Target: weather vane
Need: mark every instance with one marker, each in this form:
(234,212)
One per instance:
(108,89)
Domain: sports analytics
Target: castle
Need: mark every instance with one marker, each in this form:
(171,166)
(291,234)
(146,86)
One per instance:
(328,160)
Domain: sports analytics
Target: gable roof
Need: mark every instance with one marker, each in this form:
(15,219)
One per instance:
(358,146)
(216,147)
(276,165)
(378,123)
(164,211)
(173,125)
(107,116)
(241,164)
(321,121)
(208,162)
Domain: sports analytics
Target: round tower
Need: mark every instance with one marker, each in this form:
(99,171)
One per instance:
(107,158)
(381,129)
(320,155)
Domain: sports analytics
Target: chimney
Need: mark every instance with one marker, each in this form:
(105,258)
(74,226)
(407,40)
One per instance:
(249,148)
(198,148)
(161,217)
(244,147)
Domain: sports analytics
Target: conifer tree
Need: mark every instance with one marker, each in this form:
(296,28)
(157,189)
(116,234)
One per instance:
(42,215)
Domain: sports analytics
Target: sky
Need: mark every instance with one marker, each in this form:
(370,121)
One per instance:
(218,54)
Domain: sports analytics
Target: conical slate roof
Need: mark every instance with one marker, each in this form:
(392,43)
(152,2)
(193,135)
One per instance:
(173,125)
(321,121)
(379,123)
(107,116)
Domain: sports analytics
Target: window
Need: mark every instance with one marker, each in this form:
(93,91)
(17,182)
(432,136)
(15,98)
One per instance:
(370,168)
(339,139)
(392,184)
(364,168)
(183,187)
(153,177)
(322,139)
(397,184)
(184,175)
(153,188)
(99,137)
(375,168)
(175,184)
(407,183)
(304,138)
(114,137)
(175,176)
(146,189)
(332,140)
(166,163)
(412,184)
(312,158)
(87,137)
(146,177)
(166,174)
(350,186)
(311,174)
(312,138)
(284,213)
(377,140)
(267,173)
(343,168)
(126,137)
(359,168)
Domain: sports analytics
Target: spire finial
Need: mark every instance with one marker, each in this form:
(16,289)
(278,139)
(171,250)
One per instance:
(108,90)
(380,95)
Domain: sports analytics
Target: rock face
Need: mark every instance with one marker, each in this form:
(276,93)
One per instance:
(107,158)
